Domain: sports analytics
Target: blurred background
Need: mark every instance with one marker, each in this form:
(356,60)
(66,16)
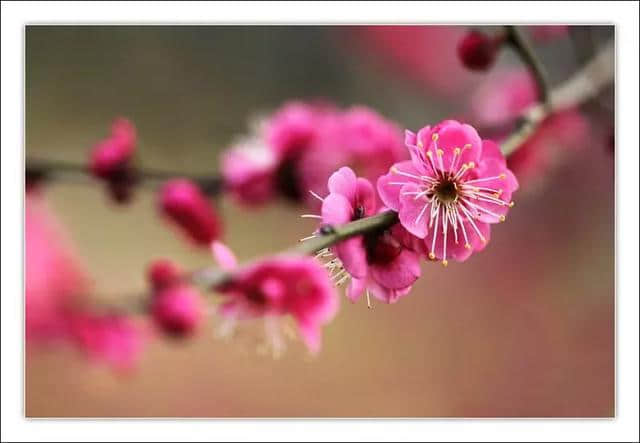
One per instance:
(525,328)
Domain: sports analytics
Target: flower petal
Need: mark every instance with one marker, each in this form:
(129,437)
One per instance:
(353,256)
(336,210)
(343,182)
(355,289)
(401,272)
(414,213)
(366,196)
(389,184)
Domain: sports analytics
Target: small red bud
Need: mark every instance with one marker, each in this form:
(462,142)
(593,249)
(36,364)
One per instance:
(477,51)
(163,273)
(178,310)
(185,204)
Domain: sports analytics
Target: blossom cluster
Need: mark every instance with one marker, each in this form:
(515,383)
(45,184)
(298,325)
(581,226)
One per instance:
(296,149)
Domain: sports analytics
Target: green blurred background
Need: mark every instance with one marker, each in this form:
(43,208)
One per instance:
(525,328)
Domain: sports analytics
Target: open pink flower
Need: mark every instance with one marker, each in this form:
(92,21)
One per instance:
(279,286)
(450,192)
(376,261)
(359,138)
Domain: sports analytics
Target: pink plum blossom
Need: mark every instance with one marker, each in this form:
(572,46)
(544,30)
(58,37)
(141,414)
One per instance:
(297,149)
(378,261)
(249,169)
(501,101)
(276,287)
(451,191)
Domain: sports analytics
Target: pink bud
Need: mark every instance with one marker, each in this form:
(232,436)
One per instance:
(477,51)
(177,310)
(184,203)
(163,273)
(124,131)
(110,157)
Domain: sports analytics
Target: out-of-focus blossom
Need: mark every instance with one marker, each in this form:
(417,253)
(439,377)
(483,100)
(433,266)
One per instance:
(55,283)
(114,339)
(183,202)
(546,33)
(377,262)
(277,287)
(249,170)
(450,192)
(478,51)
(54,276)
(502,99)
(424,54)
(561,132)
(178,310)
(300,146)
(110,159)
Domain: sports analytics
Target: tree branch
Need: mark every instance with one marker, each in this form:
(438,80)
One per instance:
(577,90)
(40,169)
(526,52)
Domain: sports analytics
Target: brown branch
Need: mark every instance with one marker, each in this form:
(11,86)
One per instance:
(577,90)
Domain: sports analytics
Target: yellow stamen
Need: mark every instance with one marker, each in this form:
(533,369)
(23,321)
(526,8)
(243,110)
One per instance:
(432,256)
(445,263)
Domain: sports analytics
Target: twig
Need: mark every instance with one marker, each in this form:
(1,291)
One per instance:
(526,52)
(77,173)
(580,88)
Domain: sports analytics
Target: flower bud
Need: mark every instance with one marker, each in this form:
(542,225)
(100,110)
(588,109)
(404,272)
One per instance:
(177,310)
(163,273)
(183,202)
(477,51)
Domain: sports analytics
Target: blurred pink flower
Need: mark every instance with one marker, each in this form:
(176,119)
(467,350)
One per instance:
(54,276)
(376,261)
(502,99)
(55,286)
(453,188)
(249,170)
(184,204)
(177,310)
(279,286)
(114,339)
(303,143)
(546,33)
(424,54)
